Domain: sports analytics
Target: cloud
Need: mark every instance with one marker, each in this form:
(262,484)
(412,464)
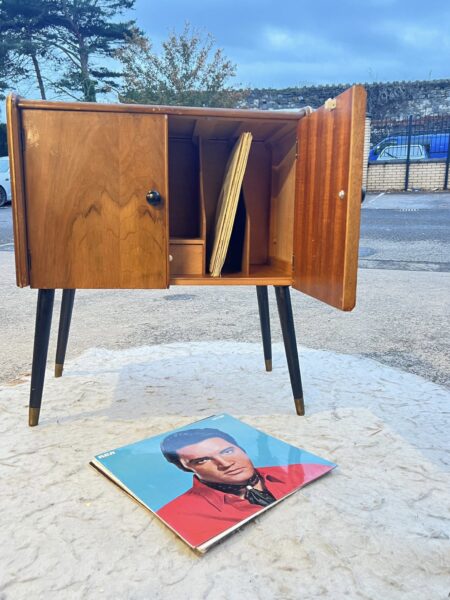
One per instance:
(413,35)
(279,38)
(327,42)
(302,71)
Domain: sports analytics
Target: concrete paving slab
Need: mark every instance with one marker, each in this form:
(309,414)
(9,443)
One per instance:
(377,527)
(407,200)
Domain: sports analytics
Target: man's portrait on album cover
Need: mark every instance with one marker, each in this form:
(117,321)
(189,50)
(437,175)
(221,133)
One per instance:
(226,486)
(208,477)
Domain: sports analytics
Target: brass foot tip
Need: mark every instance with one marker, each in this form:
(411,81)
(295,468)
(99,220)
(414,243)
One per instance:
(58,369)
(299,406)
(33,416)
(268,364)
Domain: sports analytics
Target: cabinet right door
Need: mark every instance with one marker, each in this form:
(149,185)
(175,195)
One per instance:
(328,199)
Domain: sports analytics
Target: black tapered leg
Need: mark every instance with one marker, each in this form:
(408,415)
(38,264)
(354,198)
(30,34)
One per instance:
(264,318)
(41,336)
(63,331)
(290,344)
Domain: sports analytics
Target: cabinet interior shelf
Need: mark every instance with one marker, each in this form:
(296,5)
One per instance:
(261,244)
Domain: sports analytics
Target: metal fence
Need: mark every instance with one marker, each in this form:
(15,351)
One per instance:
(414,139)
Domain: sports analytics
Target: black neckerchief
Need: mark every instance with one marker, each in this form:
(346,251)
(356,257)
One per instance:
(252,495)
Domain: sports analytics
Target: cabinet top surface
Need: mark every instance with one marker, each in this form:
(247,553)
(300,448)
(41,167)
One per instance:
(166,110)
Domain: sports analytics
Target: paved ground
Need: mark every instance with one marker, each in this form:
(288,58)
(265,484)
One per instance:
(377,527)
(409,200)
(406,231)
(398,231)
(401,317)
(6,231)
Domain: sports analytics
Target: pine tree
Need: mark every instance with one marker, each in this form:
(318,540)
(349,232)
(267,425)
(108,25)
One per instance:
(23,47)
(85,34)
(71,37)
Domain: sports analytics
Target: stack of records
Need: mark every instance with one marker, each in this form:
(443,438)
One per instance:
(228,201)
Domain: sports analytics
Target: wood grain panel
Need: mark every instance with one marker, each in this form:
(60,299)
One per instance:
(326,226)
(282,204)
(187,257)
(258,275)
(86,177)
(184,215)
(18,191)
(174,112)
(256,186)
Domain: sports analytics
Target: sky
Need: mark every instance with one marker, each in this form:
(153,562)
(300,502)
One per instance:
(296,43)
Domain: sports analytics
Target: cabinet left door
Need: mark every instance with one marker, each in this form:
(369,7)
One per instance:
(87,175)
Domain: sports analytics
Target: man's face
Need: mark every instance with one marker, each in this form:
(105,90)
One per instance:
(217,461)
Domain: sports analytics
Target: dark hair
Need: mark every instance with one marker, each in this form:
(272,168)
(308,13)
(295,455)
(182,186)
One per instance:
(173,442)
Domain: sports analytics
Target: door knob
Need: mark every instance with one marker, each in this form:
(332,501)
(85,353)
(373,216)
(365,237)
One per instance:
(153,197)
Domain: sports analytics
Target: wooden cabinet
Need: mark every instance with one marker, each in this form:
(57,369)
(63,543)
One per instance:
(125,196)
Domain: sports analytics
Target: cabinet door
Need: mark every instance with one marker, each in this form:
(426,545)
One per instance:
(328,199)
(87,175)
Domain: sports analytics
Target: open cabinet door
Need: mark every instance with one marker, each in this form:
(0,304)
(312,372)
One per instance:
(328,199)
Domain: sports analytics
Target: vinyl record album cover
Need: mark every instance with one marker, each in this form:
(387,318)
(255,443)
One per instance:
(206,479)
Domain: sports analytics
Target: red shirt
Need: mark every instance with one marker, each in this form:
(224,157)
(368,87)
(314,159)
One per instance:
(202,512)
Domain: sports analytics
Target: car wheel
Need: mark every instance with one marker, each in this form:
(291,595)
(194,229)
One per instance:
(3,196)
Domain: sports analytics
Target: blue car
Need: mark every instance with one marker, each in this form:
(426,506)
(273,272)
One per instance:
(436,144)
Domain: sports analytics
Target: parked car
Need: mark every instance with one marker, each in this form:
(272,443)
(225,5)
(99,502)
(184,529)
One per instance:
(5,181)
(436,144)
(416,152)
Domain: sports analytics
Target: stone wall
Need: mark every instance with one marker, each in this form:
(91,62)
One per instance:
(395,100)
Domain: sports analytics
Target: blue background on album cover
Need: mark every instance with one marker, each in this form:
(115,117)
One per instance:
(142,468)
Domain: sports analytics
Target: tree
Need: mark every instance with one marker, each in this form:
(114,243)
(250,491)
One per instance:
(74,37)
(23,46)
(188,71)
(84,33)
